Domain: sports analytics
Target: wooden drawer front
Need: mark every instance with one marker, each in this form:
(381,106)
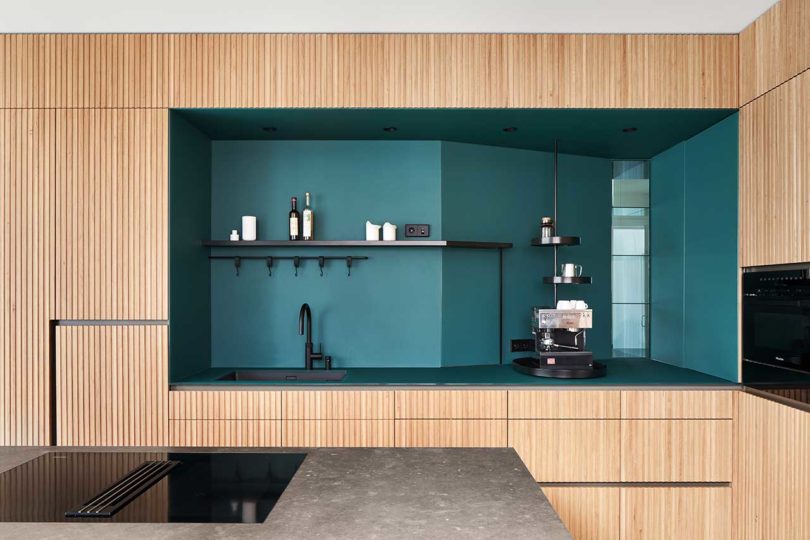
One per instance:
(338,405)
(568,450)
(451,433)
(589,513)
(676,450)
(225,432)
(676,513)
(335,433)
(224,405)
(677,404)
(451,404)
(586,404)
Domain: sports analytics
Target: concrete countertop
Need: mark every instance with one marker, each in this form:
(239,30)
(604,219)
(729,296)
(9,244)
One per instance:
(360,493)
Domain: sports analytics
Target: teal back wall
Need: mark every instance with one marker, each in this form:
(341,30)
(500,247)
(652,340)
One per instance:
(402,307)
(491,193)
(693,214)
(388,313)
(190,274)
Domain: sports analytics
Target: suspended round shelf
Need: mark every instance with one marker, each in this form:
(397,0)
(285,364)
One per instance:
(561,280)
(532,366)
(556,241)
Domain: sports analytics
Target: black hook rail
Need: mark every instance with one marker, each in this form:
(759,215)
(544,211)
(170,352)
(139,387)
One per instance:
(237,261)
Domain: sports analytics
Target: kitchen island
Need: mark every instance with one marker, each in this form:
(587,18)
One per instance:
(362,493)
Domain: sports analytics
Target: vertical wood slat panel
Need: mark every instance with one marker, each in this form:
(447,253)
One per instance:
(453,70)
(225,405)
(450,404)
(771,470)
(112,385)
(675,513)
(774,48)
(84,70)
(112,214)
(27,71)
(450,433)
(26,270)
(589,513)
(227,433)
(775,176)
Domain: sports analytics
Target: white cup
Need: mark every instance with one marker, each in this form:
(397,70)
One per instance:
(249,228)
(372,232)
(580,304)
(571,270)
(389,232)
(563,304)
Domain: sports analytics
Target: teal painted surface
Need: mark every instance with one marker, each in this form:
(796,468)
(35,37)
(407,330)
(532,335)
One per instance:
(491,193)
(667,255)
(711,272)
(589,132)
(388,313)
(708,170)
(620,372)
(189,269)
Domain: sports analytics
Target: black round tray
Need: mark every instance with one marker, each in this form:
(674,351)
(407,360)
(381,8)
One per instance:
(531,366)
(560,280)
(555,241)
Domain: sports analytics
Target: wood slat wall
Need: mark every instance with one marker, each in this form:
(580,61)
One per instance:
(84,70)
(775,176)
(368,70)
(112,214)
(771,473)
(774,48)
(26,274)
(112,385)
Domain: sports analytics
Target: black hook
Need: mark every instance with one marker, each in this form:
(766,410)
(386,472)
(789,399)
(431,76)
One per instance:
(321,263)
(349,265)
(269,266)
(237,262)
(296,263)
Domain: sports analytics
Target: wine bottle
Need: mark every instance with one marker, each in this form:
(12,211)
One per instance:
(308,218)
(294,219)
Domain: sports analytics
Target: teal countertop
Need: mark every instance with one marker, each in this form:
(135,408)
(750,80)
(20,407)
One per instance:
(620,372)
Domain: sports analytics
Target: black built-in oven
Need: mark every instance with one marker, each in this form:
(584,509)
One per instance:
(776,328)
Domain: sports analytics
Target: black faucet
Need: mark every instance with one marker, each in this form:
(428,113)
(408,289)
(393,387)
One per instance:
(309,354)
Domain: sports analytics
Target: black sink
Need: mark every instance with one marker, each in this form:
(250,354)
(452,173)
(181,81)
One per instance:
(284,375)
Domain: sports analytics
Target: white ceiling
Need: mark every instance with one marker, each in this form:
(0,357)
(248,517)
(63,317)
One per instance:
(532,16)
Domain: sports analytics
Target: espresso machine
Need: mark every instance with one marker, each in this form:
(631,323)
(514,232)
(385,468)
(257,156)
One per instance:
(559,336)
(560,345)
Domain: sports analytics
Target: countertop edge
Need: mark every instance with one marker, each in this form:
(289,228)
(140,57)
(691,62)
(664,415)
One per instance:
(187,387)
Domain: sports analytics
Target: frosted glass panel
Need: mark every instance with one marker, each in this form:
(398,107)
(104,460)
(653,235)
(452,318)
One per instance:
(629,329)
(630,279)
(631,231)
(631,193)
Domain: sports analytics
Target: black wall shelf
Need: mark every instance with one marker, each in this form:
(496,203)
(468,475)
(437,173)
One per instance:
(357,243)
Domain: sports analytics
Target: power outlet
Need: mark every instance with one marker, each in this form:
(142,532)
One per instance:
(522,345)
(422,231)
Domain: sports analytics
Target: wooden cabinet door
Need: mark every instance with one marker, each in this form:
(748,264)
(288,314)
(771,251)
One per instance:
(112,385)
(112,214)
(26,274)
(771,470)
(589,512)
(775,176)
(676,513)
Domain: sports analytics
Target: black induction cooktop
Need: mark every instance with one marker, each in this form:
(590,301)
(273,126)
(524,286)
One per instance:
(162,487)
